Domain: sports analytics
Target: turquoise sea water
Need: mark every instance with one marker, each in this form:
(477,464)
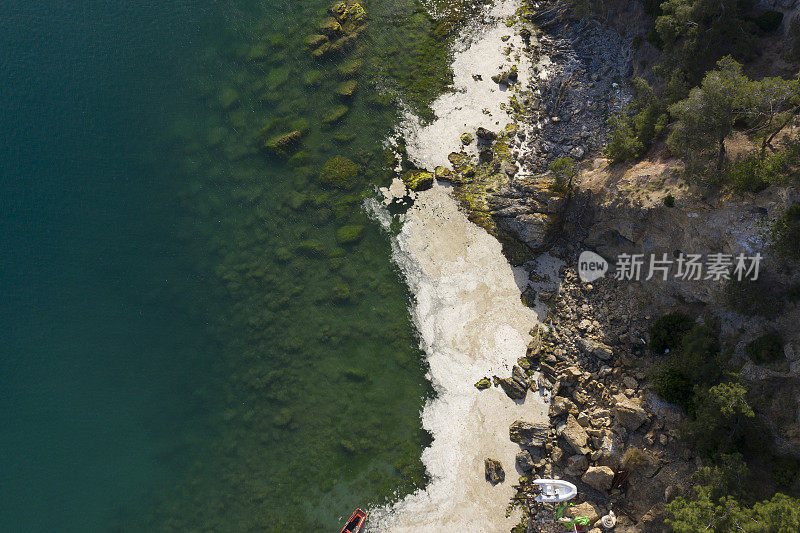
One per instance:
(185,344)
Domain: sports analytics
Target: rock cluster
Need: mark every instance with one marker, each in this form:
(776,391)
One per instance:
(340,31)
(566,108)
(602,435)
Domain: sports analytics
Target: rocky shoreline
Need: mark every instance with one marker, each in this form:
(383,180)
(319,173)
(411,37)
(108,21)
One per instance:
(606,432)
(541,187)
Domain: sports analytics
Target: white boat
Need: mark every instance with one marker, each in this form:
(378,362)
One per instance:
(555,490)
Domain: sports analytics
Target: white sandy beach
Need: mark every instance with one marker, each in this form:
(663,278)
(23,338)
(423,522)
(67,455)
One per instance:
(466,308)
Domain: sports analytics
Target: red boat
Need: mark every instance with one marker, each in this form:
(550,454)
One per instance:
(356,522)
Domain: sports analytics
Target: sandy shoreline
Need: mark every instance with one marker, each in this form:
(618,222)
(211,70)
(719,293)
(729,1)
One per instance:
(472,324)
(466,306)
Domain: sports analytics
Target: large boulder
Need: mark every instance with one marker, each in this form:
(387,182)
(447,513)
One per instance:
(598,477)
(561,405)
(530,435)
(524,461)
(629,412)
(486,135)
(284,144)
(339,172)
(494,471)
(534,229)
(513,388)
(597,349)
(587,509)
(577,464)
(418,180)
(516,387)
(575,435)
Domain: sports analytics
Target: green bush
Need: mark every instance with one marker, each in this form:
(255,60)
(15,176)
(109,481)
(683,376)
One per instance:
(674,386)
(794,293)
(785,233)
(768,21)
(695,361)
(623,144)
(765,349)
(751,298)
(635,129)
(669,200)
(699,355)
(667,332)
(785,471)
(564,170)
(755,173)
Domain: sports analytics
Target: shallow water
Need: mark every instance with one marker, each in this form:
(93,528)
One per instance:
(189,345)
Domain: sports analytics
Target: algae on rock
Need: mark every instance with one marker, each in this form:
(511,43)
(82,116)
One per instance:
(418,180)
(349,234)
(336,114)
(347,89)
(339,172)
(283,145)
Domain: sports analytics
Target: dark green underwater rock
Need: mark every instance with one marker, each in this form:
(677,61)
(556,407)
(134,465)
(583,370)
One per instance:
(283,145)
(346,89)
(349,234)
(351,68)
(339,172)
(336,114)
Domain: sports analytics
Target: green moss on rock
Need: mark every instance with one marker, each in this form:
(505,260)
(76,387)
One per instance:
(283,145)
(443,173)
(459,160)
(330,27)
(339,172)
(350,69)
(349,234)
(346,89)
(341,293)
(336,114)
(483,383)
(418,180)
(317,40)
(300,159)
(228,98)
(312,78)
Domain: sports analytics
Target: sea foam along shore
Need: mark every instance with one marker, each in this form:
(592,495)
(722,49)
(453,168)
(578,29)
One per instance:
(471,324)
(466,308)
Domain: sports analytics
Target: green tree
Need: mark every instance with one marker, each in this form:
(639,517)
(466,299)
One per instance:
(668,331)
(774,104)
(704,513)
(564,170)
(695,363)
(635,128)
(695,33)
(706,117)
(721,415)
(785,233)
